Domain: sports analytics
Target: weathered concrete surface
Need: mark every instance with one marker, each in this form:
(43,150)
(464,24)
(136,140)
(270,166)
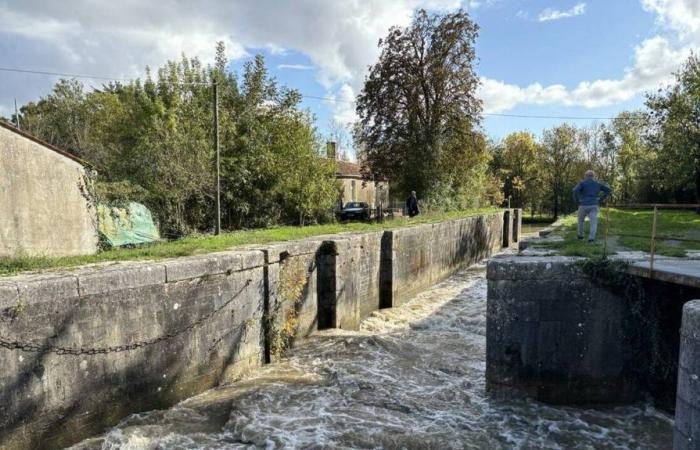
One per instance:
(553,335)
(685,272)
(687,421)
(507,231)
(212,305)
(44,205)
(357,279)
(517,224)
(426,254)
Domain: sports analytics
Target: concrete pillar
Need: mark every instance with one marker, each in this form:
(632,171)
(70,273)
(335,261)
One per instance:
(517,223)
(686,433)
(507,227)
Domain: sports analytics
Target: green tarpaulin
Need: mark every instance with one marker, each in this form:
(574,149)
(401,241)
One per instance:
(127,226)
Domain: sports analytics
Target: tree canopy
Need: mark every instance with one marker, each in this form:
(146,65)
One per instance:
(419,114)
(152,141)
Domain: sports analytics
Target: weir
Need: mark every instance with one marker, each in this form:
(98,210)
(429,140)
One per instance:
(568,330)
(83,348)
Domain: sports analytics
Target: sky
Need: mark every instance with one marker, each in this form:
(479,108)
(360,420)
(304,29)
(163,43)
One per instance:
(591,58)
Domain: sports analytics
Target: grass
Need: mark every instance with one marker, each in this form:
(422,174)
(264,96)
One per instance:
(631,230)
(200,244)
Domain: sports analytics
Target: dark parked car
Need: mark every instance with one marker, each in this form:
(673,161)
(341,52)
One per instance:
(354,210)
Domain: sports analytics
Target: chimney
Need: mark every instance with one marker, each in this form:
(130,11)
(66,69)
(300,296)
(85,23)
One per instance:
(330,150)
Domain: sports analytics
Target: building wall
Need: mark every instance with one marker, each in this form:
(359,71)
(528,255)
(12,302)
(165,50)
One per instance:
(44,210)
(363,191)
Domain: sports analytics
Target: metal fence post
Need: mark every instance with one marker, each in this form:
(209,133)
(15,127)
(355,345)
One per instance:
(653,241)
(607,228)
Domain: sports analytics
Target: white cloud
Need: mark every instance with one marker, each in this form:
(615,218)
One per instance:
(339,38)
(555,14)
(682,16)
(342,105)
(120,38)
(655,60)
(295,66)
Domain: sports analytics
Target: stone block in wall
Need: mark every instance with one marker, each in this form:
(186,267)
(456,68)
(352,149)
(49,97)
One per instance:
(127,276)
(507,227)
(427,254)
(9,294)
(292,273)
(196,333)
(359,263)
(686,434)
(517,224)
(554,335)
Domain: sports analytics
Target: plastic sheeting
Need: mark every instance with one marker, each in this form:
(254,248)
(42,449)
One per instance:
(132,225)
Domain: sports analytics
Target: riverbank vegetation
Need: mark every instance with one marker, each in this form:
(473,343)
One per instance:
(629,230)
(201,244)
(646,156)
(152,141)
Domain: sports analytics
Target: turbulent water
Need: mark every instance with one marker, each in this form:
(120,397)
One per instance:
(412,377)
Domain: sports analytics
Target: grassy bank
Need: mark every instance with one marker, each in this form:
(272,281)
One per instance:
(199,244)
(631,230)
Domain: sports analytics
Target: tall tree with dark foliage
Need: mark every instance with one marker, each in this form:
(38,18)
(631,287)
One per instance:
(419,115)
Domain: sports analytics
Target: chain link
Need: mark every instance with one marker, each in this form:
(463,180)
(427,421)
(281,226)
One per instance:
(33,347)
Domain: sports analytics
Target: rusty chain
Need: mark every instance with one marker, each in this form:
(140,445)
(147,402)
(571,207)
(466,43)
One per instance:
(33,347)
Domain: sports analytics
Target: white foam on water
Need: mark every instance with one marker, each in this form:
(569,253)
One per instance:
(411,377)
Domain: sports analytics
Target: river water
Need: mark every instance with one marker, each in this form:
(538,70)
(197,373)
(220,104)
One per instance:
(412,377)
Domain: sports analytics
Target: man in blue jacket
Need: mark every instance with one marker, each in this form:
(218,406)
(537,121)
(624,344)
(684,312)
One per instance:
(587,195)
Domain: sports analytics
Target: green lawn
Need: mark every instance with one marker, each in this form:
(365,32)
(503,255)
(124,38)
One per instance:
(631,230)
(199,244)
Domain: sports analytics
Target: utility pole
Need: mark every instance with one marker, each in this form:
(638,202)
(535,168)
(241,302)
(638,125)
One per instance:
(16,116)
(217,227)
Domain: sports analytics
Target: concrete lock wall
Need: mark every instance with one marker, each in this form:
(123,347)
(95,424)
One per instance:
(44,206)
(422,256)
(195,322)
(687,422)
(554,335)
(102,342)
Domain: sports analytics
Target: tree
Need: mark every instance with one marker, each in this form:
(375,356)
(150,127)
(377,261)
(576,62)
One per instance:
(152,141)
(418,111)
(518,162)
(675,115)
(563,150)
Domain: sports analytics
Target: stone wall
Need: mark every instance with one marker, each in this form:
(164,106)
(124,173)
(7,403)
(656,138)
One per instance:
(554,335)
(356,279)
(44,210)
(687,423)
(115,339)
(426,254)
(557,335)
(207,310)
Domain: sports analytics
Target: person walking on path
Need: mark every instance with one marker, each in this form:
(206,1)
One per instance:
(587,195)
(412,205)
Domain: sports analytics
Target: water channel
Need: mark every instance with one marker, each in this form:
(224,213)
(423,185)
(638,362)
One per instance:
(412,377)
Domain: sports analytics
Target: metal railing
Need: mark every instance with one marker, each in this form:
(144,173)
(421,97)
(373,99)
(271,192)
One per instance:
(654,236)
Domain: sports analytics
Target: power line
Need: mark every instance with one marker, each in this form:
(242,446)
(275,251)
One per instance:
(91,77)
(328,99)
(525,116)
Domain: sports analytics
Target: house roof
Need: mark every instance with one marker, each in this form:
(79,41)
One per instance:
(31,137)
(348,169)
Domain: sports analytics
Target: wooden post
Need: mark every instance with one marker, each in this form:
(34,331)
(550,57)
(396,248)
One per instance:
(653,241)
(217,226)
